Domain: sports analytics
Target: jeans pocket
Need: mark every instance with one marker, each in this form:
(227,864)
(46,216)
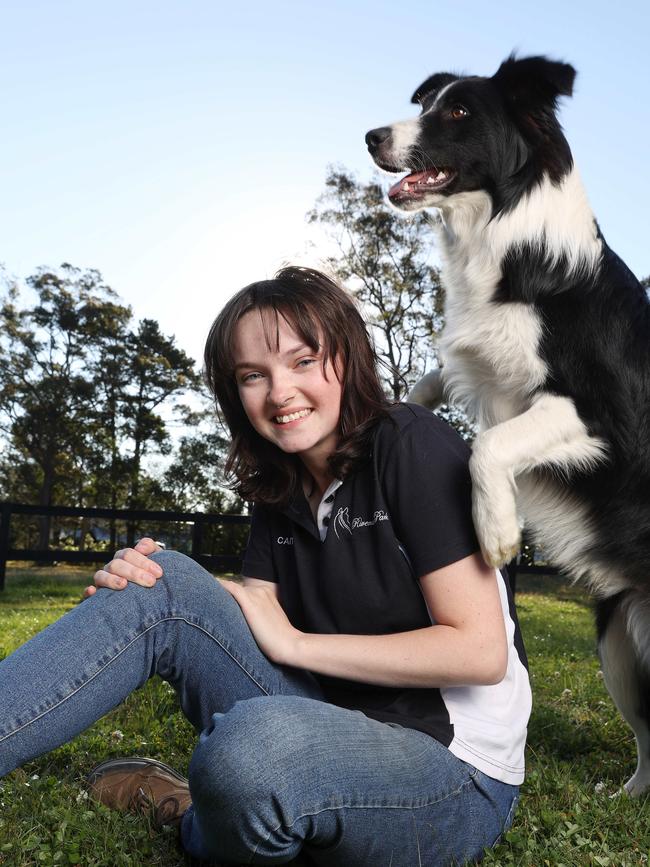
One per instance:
(502,798)
(507,822)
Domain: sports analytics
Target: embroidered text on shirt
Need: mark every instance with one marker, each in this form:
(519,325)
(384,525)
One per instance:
(342,520)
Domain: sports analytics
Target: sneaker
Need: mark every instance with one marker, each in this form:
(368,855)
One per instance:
(141,786)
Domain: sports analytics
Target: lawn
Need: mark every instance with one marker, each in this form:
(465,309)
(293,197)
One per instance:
(579,751)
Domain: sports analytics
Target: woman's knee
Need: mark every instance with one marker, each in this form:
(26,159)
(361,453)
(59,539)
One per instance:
(244,775)
(183,579)
(253,747)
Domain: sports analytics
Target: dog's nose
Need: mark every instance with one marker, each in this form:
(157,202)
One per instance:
(376,137)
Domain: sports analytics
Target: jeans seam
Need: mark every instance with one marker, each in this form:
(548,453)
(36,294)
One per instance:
(507,822)
(409,807)
(117,655)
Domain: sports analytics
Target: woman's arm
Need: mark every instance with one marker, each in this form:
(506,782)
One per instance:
(466,645)
(260,582)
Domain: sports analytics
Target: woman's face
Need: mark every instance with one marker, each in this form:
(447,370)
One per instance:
(288,397)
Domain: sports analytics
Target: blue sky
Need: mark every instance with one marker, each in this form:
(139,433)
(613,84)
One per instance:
(176,146)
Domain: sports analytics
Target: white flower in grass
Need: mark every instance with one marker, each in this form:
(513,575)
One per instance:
(117,735)
(82,796)
(599,674)
(599,788)
(566,693)
(34,777)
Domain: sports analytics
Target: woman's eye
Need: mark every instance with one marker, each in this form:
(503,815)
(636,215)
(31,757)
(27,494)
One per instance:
(458,111)
(305,362)
(250,377)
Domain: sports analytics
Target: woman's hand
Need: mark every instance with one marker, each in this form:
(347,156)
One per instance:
(276,637)
(129,564)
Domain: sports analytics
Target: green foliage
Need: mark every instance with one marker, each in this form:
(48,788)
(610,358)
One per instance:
(85,395)
(46,396)
(579,753)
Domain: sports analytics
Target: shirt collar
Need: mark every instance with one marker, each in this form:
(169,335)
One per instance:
(298,509)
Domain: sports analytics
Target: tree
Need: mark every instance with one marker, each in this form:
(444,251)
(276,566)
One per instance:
(384,258)
(156,371)
(82,395)
(46,396)
(196,477)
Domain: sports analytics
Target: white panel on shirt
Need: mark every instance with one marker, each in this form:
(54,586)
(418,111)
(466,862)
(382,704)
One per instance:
(324,512)
(490,721)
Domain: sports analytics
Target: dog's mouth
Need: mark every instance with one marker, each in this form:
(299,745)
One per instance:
(417,185)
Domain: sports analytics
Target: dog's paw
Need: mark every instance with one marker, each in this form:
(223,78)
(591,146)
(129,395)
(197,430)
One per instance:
(497,528)
(636,786)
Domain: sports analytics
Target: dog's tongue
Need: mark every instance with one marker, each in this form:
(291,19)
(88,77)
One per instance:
(416,178)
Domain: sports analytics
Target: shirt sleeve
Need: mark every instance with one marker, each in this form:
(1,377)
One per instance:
(258,557)
(428,492)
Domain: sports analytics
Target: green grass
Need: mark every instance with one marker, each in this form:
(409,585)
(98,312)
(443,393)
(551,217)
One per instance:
(579,752)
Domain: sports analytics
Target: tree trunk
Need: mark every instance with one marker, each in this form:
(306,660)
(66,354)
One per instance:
(45,521)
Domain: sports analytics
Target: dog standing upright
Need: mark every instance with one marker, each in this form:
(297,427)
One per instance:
(546,344)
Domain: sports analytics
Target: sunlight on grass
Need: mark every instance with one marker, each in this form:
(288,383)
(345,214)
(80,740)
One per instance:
(579,751)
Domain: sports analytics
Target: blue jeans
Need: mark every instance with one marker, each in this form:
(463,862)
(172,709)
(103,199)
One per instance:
(277,770)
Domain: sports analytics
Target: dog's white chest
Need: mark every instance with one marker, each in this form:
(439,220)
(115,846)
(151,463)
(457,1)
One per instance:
(490,352)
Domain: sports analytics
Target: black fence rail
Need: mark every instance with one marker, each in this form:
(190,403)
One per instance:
(230,562)
(221,562)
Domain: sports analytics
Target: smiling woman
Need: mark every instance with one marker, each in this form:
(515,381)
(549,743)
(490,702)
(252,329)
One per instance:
(276,351)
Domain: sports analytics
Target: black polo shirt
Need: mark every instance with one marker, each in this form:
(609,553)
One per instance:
(403,514)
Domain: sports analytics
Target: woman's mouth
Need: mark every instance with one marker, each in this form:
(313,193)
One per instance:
(292,416)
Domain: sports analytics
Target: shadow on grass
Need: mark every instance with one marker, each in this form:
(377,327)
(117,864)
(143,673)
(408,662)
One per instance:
(555,586)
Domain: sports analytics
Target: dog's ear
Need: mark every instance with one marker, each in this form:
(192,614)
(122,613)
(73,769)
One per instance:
(533,84)
(530,88)
(433,85)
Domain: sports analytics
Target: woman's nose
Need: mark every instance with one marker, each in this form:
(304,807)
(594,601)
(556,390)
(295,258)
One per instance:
(281,391)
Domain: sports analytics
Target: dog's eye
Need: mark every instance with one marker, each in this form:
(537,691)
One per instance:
(458,111)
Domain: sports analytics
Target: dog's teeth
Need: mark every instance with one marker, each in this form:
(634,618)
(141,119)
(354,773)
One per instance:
(406,185)
(431,180)
(441,176)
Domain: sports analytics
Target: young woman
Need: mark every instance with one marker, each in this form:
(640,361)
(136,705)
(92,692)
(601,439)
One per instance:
(362,696)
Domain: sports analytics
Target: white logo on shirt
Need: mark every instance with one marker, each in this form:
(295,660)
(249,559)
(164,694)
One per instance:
(342,520)
(285,540)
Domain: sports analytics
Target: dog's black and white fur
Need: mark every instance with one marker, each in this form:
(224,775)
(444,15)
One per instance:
(546,344)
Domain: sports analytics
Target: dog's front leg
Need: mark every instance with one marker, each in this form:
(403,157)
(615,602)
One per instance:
(549,433)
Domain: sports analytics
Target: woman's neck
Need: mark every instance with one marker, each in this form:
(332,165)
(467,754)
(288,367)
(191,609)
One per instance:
(315,481)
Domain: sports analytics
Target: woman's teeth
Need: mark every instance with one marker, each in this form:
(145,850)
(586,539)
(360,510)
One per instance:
(283,419)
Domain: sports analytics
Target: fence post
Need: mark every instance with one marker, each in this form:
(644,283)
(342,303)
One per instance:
(197,538)
(5,519)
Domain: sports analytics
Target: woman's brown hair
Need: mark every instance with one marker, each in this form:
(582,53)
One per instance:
(318,310)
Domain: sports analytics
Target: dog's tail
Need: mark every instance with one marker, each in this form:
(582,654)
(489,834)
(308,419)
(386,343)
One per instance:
(429,391)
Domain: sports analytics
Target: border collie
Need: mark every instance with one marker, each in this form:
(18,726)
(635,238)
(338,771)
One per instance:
(546,344)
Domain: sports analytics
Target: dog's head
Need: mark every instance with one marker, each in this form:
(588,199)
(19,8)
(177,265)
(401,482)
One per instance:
(499,135)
